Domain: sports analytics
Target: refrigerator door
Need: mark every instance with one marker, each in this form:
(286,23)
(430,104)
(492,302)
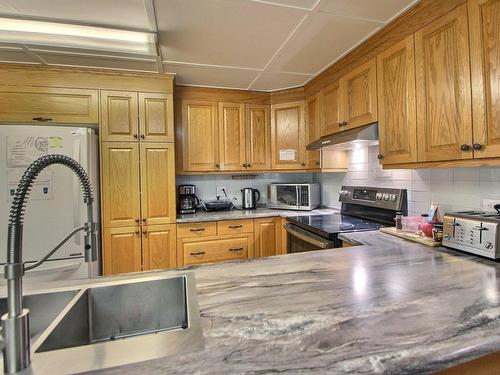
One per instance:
(55,205)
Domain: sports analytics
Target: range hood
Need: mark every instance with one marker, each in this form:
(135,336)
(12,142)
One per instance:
(363,136)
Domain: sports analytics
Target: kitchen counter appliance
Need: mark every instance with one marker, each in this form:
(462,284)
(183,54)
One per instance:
(475,232)
(363,209)
(294,196)
(249,198)
(188,201)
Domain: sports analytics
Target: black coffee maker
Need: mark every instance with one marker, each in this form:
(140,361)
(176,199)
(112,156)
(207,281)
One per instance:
(187,199)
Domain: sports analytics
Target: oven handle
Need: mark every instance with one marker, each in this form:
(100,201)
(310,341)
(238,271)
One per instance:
(310,238)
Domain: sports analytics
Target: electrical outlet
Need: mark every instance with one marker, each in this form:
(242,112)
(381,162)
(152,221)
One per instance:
(488,204)
(220,191)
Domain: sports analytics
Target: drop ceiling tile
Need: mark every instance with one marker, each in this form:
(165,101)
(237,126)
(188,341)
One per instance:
(324,36)
(120,13)
(270,81)
(211,76)
(381,10)
(238,33)
(16,55)
(304,4)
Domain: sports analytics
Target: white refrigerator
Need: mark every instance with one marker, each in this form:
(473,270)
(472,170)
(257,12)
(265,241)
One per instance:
(55,206)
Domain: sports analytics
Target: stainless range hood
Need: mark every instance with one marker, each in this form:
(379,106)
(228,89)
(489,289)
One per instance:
(363,136)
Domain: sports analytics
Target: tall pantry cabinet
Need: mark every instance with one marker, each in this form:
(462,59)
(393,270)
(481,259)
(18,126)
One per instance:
(138,181)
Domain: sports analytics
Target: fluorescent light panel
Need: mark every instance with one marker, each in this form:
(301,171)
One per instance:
(76,36)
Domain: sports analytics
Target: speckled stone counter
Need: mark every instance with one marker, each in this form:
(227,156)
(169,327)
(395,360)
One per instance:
(247,214)
(392,307)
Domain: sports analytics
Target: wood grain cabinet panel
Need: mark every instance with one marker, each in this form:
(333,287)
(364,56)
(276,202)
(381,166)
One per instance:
(268,236)
(359,95)
(330,109)
(159,247)
(397,117)
(288,136)
(199,136)
(258,137)
(444,122)
(48,104)
(215,250)
(197,230)
(232,136)
(234,226)
(484,29)
(313,131)
(157,183)
(119,116)
(122,250)
(120,184)
(156,117)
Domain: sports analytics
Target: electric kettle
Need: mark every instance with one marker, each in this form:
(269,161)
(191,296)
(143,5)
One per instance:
(249,198)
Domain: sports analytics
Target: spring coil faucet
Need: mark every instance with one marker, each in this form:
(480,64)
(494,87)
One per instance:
(15,323)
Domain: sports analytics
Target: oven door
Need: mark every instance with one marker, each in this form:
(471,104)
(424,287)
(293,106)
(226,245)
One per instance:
(300,240)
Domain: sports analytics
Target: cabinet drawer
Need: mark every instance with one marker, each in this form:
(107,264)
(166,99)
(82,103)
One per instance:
(234,226)
(215,250)
(196,230)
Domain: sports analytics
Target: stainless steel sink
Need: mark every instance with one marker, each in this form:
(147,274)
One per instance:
(112,323)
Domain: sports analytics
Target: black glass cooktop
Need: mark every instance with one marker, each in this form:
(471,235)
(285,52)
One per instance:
(329,226)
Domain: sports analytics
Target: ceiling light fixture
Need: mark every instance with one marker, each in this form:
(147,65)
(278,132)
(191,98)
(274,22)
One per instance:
(53,34)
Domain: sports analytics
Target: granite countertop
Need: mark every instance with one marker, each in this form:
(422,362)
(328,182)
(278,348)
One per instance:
(390,307)
(247,214)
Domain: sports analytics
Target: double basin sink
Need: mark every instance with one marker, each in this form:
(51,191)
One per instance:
(112,323)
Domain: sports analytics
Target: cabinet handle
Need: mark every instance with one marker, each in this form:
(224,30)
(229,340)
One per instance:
(135,136)
(136,220)
(42,119)
(137,232)
(477,146)
(197,253)
(217,165)
(318,163)
(380,156)
(303,164)
(340,124)
(465,148)
(143,220)
(197,229)
(344,123)
(235,226)
(143,136)
(245,165)
(236,249)
(144,232)
(249,165)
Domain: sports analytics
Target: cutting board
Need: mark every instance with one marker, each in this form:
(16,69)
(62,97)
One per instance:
(410,237)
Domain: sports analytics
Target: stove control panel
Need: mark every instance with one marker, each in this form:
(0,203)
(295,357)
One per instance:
(387,198)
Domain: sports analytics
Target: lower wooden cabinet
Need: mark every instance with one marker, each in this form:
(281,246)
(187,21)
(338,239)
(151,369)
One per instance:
(215,249)
(268,237)
(158,247)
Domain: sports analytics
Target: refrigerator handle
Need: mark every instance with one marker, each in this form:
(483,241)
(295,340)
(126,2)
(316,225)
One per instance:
(77,214)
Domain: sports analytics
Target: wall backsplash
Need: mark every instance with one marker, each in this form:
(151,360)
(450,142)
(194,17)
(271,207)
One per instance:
(453,189)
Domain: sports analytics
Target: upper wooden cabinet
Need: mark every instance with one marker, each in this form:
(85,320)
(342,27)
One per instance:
(396,103)
(258,137)
(444,122)
(330,109)
(484,28)
(288,136)
(313,131)
(48,104)
(156,117)
(232,136)
(119,116)
(199,136)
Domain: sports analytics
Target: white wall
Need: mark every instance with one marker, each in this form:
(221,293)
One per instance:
(453,189)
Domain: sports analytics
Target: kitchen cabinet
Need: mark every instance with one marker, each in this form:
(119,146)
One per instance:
(232,137)
(48,104)
(258,137)
(444,121)
(484,29)
(268,237)
(235,226)
(397,117)
(197,230)
(199,136)
(159,246)
(215,249)
(156,117)
(330,109)
(288,136)
(313,131)
(123,250)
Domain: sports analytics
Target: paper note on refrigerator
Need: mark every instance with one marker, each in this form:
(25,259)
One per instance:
(22,151)
(42,188)
(288,154)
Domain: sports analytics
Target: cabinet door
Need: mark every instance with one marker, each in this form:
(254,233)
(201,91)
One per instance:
(216,250)
(397,117)
(484,28)
(313,132)
(359,96)
(122,250)
(268,235)
(444,123)
(330,112)
(232,137)
(48,104)
(119,116)
(288,136)
(158,247)
(120,184)
(258,137)
(157,183)
(200,150)
(156,117)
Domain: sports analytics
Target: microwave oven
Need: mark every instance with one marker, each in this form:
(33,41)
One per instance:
(304,197)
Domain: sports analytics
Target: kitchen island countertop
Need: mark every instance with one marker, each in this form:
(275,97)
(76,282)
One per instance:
(390,307)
